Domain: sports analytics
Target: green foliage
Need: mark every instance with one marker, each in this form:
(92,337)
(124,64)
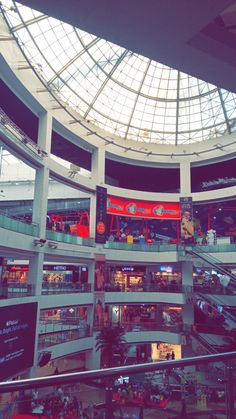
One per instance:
(110,340)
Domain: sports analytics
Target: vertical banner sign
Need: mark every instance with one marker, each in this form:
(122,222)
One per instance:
(186,221)
(101,213)
(99,295)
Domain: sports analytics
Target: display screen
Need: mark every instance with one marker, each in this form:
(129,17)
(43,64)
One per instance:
(17,338)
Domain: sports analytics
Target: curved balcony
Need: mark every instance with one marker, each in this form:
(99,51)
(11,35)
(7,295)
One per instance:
(58,236)
(143,247)
(151,326)
(47,340)
(18,226)
(16,290)
(64,288)
(176,288)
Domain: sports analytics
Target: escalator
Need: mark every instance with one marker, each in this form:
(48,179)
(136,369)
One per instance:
(212,261)
(229,323)
(204,343)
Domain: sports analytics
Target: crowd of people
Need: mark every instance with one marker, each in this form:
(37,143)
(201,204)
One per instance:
(143,395)
(62,405)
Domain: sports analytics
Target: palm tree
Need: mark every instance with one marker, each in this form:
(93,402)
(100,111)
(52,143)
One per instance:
(110,340)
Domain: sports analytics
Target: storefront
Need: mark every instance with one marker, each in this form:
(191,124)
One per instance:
(74,313)
(126,278)
(166,276)
(17,273)
(146,315)
(133,314)
(51,274)
(165,351)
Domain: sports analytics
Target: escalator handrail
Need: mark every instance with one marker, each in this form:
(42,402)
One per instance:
(217,267)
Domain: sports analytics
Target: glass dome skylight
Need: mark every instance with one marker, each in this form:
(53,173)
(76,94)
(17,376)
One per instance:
(124,93)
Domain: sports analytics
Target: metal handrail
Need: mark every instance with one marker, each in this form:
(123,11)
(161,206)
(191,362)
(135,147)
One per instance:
(83,376)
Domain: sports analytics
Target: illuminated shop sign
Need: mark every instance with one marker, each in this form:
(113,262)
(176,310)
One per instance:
(17,268)
(166,269)
(144,209)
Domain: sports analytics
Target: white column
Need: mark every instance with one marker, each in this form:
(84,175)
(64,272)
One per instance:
(92,216)
(185,178)
(33,371)
(187,281)
(93,361)
(45,131)
(36,272)
(91,273)
(188,308)
(98,165)
(41,199)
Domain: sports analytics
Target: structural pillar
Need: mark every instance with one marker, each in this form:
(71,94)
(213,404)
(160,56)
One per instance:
(42,174)
(98,174)
(92,360)
(187,282)
(36,271)
(188,308)
(92,216)
(45,131)
(91,273)
(185,178)
(41,200)
(98,166)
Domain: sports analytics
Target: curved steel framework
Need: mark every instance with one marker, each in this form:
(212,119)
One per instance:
(127,95)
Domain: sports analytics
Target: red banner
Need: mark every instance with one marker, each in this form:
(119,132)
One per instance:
(143,209)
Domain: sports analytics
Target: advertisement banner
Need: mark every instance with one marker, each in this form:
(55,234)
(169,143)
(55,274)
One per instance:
(101,212)
(99,286)
(186,225)
(17,338)
(143,209)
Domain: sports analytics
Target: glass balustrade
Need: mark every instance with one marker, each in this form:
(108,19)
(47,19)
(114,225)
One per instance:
(141,247)
(58,236)
(192,387)
(64,288)
(16,290)
(151,326)
(168,247)
(19,226)
(67,334)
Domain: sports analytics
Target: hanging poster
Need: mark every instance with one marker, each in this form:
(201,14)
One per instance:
(101,212)
(186,223)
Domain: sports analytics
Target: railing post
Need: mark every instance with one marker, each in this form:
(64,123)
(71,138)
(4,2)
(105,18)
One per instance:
(108,399)
(229,390)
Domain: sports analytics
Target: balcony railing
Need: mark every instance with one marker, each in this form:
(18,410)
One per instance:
(19,226)
(169,247)
(177,288)
(16,290)
(64,288)
(67,335)
(69,238)
(202,385)
(20,136)
(151,326)
(142,247)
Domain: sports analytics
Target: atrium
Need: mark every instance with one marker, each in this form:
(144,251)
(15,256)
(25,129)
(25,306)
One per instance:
(117,192)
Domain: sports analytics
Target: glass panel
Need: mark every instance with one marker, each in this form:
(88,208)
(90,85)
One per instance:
(193,387)
(19,226)
(116,89)
(68,238)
